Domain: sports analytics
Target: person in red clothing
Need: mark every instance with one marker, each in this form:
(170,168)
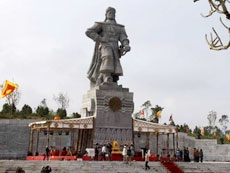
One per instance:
(64,152)
(56,152)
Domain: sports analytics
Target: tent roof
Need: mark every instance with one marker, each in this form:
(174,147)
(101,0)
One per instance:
(145,126)
(75,123)
(87,123)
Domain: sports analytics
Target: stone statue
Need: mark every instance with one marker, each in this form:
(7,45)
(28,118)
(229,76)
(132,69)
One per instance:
(111,43)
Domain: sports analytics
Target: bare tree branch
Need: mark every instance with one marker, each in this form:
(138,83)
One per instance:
(224,24)
(217,43)
(14,97)
(62,100)
(218,6)
(210,12)
(221,3)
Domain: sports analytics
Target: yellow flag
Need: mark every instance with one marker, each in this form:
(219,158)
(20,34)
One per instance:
(8,88)
(202,132)
(159,114)
(228,137)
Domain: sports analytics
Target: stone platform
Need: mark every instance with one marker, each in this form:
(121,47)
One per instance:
(206,167)
(81,166)
(111,167)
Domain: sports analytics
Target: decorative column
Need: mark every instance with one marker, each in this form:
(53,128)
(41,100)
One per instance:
(78,139)
(174,143)
(72,138)
(157,136)
(167,143)
(31,139)
(81,139)
(133,134)
(177,139)
(38,133)
(48,135)
(147,135)
(92,133)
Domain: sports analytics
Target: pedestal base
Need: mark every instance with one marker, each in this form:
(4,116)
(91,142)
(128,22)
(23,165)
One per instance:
(112,105)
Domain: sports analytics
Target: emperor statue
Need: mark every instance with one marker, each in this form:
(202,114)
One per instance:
(111,42)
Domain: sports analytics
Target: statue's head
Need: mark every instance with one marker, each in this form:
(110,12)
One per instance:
(110,13)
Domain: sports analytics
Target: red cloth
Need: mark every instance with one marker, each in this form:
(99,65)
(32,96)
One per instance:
(56,152)
(52,153)
(63,153)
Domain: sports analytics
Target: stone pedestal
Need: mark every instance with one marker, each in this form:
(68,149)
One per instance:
(112,105)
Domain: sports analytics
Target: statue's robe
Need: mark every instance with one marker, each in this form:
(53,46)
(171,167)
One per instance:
(106,57)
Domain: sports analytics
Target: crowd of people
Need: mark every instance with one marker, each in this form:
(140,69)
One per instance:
(128,153)
(198,155)
(104,152)
(183,155)
(52,151)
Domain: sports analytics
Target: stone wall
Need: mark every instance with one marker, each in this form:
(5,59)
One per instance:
(15,135)
(212,151)
(14,138)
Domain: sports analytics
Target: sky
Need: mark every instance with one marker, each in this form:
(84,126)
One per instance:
(44,49)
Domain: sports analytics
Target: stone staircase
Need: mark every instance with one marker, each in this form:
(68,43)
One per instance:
(207,167)
(81,166)
(110,167)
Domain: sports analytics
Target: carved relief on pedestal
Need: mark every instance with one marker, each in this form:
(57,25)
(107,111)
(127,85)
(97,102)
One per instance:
(115,104)
(105,135)
(127,105)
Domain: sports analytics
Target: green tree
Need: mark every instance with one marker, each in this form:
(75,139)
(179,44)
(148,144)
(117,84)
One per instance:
(61,113)
(5,108)
(149,113)
(42,111)
(63,102)
(26,109)
(76,115)
(197,132)
(224,123)
(154,115)
(147,104)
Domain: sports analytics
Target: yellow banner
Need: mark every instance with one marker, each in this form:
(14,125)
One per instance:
(8,88)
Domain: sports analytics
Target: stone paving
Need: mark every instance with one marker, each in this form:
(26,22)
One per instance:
(111,167)
(81,166)
(205,167)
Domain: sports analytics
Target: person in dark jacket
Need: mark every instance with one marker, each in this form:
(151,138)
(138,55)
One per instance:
(201,155)
(47,153)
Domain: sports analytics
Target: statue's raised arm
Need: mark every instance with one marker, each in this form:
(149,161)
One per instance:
(111,43)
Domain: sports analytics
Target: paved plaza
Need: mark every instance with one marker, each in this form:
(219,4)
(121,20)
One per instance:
(80,166)
(111,167)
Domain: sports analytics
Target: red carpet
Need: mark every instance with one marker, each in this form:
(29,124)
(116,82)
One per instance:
(172,167)
(51,158)
(115,157)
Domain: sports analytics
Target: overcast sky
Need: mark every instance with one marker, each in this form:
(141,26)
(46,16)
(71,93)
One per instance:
(44,49)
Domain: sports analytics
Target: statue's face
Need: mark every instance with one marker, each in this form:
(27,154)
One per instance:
(110,14)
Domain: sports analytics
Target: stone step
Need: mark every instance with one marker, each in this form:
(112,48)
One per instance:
(81,166)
